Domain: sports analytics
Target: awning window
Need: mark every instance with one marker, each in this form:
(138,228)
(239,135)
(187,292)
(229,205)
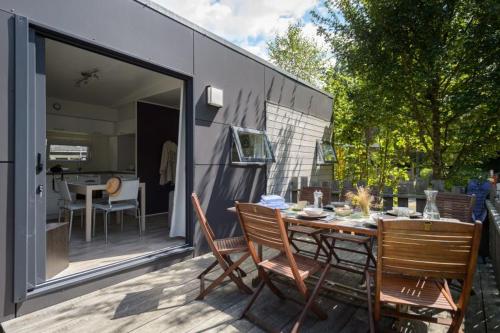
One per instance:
(325,153)
(250,146)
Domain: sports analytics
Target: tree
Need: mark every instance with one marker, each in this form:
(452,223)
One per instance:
(436,61)
(298,55)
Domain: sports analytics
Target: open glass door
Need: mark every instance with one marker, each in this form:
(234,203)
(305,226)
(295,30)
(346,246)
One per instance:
(80,123)
(30,186)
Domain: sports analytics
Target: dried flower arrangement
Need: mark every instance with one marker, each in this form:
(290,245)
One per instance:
(361,198)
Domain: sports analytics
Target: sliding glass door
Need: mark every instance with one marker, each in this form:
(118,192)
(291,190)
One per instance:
(30,187)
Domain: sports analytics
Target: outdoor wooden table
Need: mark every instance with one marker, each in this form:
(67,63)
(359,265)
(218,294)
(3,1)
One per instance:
(358,226)
(87,189)
(351,225)
(355,225)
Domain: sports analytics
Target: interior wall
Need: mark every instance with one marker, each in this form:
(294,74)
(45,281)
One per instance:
(155,125)
(81,110)
(101,151)
(125,152)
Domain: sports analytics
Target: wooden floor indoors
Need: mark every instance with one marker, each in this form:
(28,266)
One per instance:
(121,245)
(164,301)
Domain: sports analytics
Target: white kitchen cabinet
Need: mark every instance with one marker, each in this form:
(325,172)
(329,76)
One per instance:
(80,125)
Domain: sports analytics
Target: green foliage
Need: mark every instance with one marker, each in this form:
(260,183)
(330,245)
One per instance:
(298,55)
(418,78)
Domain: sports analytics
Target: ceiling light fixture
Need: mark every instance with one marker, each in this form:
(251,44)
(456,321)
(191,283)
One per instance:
(86,77)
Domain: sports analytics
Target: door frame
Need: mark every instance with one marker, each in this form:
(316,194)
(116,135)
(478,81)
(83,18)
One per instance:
(25,156)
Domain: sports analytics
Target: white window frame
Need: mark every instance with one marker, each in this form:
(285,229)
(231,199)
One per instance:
(89,149)
(243,160)
(320,154)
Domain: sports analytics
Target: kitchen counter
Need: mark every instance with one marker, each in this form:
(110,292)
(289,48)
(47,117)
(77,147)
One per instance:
(72,172)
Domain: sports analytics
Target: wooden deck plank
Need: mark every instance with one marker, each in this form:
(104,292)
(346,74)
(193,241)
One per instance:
(163,301)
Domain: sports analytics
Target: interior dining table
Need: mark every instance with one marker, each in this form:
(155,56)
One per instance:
(87,190)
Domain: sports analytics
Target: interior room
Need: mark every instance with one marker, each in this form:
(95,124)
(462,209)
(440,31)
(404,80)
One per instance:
(106,118)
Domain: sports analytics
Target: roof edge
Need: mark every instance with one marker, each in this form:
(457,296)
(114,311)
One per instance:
(164,11)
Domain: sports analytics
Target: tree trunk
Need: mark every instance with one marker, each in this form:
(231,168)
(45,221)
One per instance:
(436,157)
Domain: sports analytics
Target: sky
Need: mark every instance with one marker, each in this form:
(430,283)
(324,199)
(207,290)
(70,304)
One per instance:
(247,23)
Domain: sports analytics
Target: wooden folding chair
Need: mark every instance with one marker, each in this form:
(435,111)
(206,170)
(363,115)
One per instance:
(312,234)
(415,259)
(221,249)
(361,244)
(265,226)
(455,206)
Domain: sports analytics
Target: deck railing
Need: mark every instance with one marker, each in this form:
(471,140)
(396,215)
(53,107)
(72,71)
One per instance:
(494,236)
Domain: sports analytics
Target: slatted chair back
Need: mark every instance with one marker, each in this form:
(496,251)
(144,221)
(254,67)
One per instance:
(455,206)
(426,248)
(307,194)
(205,227)
(265,226)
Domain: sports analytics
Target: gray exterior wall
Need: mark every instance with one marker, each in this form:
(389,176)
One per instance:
(6,164)
(132,29)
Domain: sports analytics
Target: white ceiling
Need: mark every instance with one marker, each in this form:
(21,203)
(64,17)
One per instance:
(119,82)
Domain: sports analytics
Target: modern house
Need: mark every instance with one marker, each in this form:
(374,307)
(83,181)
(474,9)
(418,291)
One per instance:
(95,89)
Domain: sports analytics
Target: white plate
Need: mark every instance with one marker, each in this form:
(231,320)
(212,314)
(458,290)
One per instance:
(304,215)
(412,214)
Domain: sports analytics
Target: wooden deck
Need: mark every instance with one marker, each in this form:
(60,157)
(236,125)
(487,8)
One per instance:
(164,301)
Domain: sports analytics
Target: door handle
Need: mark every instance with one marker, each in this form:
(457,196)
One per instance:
(39,191)
(39,163)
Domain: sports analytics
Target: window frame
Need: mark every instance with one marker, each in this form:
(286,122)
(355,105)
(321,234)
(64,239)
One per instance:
(320,154)
(89,150)
(243,160)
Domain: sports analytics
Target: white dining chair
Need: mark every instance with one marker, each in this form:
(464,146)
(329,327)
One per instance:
(67,202)
(125,200)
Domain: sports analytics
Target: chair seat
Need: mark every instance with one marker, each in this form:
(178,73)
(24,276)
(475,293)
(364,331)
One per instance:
(115,206)
(75,205)
(422,292)
(303,230)
(280,265)
(231,245)
(347,237)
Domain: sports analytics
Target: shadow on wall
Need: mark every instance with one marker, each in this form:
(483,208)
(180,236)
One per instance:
(235,113)
(282,167)
(218,183)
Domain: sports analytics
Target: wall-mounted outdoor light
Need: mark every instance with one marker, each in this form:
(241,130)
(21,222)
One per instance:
(214,97)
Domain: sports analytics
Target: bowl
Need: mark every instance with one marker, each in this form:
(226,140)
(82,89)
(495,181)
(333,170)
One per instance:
(313,211)
(343,211)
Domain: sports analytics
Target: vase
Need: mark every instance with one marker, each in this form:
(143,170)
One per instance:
(431,211)
(365,209)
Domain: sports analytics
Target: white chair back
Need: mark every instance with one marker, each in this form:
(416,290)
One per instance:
(64,191)
(129,191)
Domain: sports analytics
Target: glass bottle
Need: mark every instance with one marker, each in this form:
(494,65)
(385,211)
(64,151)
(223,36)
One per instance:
(431,211)
(318,199)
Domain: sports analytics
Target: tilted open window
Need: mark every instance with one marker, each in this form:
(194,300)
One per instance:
(250,147)
(76,153)
(325,153)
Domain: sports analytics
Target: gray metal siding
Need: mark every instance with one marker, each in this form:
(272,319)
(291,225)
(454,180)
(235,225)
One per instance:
(7,308)
(122,26)
(217,182)
(135,30)
(240,77)
(294,95)
(6,87)
(218,187)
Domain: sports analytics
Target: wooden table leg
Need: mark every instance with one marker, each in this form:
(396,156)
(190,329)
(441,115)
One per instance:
(88,215)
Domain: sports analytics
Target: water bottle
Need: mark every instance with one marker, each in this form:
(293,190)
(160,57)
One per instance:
(318,199)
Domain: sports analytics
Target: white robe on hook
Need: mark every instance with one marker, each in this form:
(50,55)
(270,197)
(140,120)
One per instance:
(168,163)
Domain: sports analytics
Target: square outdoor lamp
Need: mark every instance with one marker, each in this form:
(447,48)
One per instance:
(214,97)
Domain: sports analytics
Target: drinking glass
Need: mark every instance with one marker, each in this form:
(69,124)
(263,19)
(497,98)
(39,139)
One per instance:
(403,212)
